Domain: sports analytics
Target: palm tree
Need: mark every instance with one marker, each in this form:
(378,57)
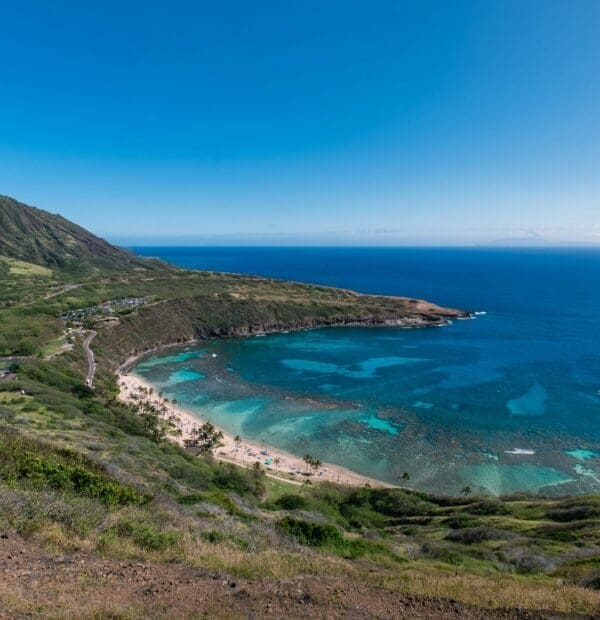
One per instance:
(312,462)
(466,490)
(405,477)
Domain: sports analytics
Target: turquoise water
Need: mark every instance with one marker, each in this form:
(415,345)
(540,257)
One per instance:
(508,401)
(581,454)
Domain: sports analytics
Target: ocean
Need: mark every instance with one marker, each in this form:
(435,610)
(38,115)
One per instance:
(506,402)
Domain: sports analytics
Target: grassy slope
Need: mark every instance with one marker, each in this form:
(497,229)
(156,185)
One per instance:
(221,517)
(116,492)
(185,305)
(36,236)
(127,497)
(49,265)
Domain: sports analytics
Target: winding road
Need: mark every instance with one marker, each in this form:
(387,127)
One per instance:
(90,358)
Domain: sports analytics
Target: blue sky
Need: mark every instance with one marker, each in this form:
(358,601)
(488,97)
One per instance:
(307,122)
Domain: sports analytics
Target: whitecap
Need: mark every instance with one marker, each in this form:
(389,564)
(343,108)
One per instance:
(523,451)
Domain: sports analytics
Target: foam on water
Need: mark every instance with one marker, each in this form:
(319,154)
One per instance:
(492,456)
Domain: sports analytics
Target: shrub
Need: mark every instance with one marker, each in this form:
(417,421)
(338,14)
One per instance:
(397,503)
(534,564)
(25,462)
(213,536)
(327,536)
(147,536)
(292,501)
(458,522)
(475,535)
(574,513)
(443,553)
(239,480)
(488,507)
(314,534)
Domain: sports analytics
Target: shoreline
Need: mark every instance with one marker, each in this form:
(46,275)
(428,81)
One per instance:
(403,323)
(246,453)
(276,463)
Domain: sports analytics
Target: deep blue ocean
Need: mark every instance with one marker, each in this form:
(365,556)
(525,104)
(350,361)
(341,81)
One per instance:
(505,402)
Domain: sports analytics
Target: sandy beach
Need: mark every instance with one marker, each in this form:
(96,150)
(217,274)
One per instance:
(246,453)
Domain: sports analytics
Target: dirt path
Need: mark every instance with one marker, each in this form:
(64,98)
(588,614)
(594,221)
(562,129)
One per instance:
(64,289)
(35,583)
(90,358)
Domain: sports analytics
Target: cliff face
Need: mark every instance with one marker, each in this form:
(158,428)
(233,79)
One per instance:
(181,320)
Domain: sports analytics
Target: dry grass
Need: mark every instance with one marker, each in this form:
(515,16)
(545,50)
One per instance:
(494,591)
(68,601)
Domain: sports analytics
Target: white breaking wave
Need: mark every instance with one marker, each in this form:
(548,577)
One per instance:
(519,451)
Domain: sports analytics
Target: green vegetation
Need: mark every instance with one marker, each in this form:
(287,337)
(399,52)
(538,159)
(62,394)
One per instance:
(25,463)
(81,470)
(205,438)
(312,462)
(24,269)
(50,267)
(30,235)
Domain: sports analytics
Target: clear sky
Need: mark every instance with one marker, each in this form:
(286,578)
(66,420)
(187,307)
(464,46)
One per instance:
(323,121)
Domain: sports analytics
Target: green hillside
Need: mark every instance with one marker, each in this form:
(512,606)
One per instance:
(86,480)
(35,236)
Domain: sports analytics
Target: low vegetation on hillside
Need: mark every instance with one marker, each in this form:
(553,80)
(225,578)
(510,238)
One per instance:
(81,470)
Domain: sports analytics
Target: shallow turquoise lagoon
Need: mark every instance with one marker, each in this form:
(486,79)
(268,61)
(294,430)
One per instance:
(380,424)
(181,376)
(160,360)
(364,406)
(505,479)
(581,454)
(506,402)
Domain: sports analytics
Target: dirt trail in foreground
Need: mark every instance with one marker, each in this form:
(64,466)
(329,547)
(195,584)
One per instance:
(35,583)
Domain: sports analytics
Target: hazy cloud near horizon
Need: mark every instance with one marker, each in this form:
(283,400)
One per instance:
(315,122)
(380,237)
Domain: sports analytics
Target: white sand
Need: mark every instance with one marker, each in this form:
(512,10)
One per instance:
(246,453)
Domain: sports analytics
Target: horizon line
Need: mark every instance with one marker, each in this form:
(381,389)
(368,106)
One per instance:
(491,246)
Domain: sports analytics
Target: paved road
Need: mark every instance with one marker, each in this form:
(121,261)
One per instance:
(90,358)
